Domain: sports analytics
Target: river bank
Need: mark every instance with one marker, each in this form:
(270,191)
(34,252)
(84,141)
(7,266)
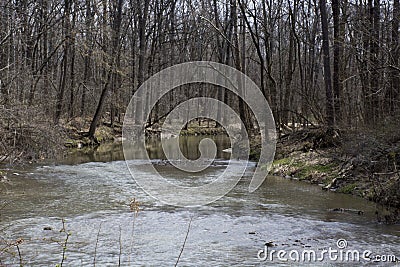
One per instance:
(363,162)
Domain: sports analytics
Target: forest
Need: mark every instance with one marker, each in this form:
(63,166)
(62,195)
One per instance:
(317,63)
(75,64)
(328,69)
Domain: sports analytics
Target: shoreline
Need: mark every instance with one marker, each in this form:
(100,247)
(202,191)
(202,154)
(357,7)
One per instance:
(341,166)
(344,163)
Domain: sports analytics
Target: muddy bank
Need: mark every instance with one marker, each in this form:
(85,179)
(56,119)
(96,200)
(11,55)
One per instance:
(77,133)
(78,128)
(363,164)
(37,141)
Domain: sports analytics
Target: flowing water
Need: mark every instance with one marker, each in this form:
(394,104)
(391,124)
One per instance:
(91,191)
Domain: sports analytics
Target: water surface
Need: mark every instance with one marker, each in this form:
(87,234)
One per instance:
(92,191)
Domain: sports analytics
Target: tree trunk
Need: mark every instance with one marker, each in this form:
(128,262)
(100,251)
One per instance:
(142,20)
(337,44)
(63,74)
(72,70)
(327,69)
(374,94)
(394,91)
(236,55)
(116,34)
(87,73)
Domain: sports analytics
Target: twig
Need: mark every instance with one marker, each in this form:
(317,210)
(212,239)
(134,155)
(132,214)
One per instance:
(17,157)
(120,246)
(385,173)
(184,242)
(5,39)
(219,31)
(65,242)
(134,207)
(131,244)
(95,248)
(3,158)
(6,67)
(19,256)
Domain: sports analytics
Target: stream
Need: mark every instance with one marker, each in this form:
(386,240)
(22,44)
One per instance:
(91,192)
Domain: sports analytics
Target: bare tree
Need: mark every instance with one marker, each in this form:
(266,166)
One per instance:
(327,69)
(337,47)
(64,65)
(86,57)
(394,91)
(115,43)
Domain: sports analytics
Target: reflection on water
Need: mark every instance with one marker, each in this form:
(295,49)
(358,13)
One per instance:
(114,152)
(92,191)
